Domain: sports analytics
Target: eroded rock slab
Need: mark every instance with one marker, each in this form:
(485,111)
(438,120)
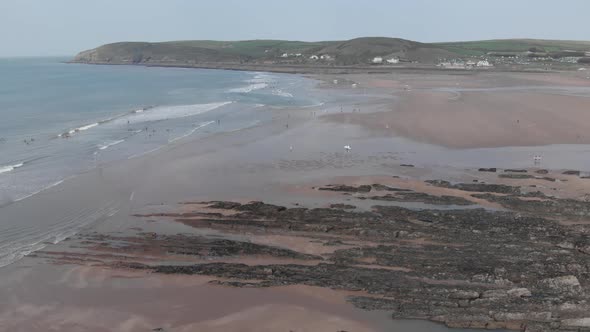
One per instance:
(423,198)
(348,189)
(472,268)
(476,187)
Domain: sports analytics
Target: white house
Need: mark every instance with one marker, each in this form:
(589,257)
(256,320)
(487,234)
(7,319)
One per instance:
(392,60)
(314,57)
(452,65)
(326,57)
(484,63)
(377,60)
(285,55)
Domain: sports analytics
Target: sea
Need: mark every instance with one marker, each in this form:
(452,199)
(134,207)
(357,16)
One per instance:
(58,120)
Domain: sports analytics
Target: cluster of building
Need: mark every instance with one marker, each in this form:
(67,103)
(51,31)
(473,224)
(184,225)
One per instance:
(460,64)
(380,60)
(291,55)
(324,57)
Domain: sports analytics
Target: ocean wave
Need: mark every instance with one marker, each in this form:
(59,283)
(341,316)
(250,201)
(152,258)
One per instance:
(10,168)
(106,146)
(191,131)
(249,88)
(172,112)
(145,152)
(261,78)
(86,127)
(74,131)
(79,129)
(313,105)
(281,93)
(141,110)
(40,191)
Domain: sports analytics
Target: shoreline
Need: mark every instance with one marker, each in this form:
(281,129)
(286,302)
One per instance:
(153,195)
(318,70)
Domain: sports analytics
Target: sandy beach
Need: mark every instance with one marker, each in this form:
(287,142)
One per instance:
(259,268)
(481,110)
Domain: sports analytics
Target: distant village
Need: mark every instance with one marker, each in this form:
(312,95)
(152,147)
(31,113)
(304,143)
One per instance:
(326,57)
(491,59)
(387,60)
(469,64)
(392,60)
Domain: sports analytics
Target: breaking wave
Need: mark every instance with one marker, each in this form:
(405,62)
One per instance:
(249,88)
(281,93)
(190,132)
(106,146)
(79,129)
(172,112)
(10,168)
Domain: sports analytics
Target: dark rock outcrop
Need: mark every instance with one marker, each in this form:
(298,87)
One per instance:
(349,189)
(476,187)
(381,187)
(571,173)
(423,198)
(510,170)
(468,268)
(515,176)
(342,206)
(492,170)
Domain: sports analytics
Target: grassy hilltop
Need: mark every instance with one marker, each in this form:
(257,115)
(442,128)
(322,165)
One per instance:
(350,52)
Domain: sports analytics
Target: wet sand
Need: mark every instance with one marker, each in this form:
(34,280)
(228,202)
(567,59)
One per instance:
(477,111)
(95,299)
(83,298)
(257,164)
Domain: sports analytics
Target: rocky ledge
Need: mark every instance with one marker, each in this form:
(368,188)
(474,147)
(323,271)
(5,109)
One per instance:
(465,268)
(468,268)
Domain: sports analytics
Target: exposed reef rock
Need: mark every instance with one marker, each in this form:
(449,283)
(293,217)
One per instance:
(466,268)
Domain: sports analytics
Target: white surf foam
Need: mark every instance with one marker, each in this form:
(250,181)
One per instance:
(172,112)
(106,146)
(249,88)
(10,168)
(261,78)
(144,153)
(190,132)
(79,129)
(40,191)
(86,127)
(281,93)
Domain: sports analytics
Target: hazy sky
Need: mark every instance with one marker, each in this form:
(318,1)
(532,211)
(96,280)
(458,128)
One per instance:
(64,27)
